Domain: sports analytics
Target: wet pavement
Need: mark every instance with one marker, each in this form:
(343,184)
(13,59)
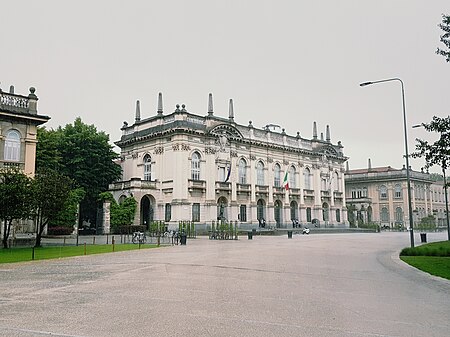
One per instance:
(310,285)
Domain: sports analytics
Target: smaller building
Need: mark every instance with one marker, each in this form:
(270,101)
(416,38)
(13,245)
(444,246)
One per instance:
(380,195)
(18,130)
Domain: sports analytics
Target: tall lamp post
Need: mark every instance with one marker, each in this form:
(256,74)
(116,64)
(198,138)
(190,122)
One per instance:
(408,179)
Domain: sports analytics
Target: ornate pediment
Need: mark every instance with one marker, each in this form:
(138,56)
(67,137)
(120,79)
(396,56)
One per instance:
(327,151)
(229,131)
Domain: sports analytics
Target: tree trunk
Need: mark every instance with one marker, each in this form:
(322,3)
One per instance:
(6,230)
(40,228)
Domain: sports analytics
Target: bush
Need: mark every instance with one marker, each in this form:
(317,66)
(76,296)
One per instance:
(59,230)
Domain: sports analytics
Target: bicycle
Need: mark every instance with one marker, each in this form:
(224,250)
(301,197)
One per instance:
(139,237)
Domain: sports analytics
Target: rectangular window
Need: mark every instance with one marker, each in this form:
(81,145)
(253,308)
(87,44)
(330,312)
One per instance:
(196,212)
(308,214)
(243,213)
(168,212)
(222,175)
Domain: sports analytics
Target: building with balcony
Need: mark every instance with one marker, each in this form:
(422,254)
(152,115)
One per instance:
(18,128)
(204,168)
(380,195)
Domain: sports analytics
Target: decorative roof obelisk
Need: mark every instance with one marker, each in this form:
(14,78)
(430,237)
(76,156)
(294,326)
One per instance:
(138,111)
(314,130)
(328,134)
(160,104)
(210,105)
(230,111)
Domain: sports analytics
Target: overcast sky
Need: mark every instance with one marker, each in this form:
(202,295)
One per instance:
(284,62)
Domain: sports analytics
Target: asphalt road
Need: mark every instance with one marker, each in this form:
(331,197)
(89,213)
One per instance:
(316,285)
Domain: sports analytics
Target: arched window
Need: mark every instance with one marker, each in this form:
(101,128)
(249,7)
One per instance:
(260,210)
(397,191)
(307,178)
(242,171)
(325,212)
(383,192)
(12,146)
(260,173)
(384,214)
(147,167)
(292,177)
(399,215)
(369,214)
(277,176)
(195,166)
(294,210)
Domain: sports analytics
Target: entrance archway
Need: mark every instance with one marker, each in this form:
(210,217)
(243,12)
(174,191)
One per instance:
(222,204)
(147,210)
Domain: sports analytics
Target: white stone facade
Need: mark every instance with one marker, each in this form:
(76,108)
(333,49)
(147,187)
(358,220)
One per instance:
(184,166)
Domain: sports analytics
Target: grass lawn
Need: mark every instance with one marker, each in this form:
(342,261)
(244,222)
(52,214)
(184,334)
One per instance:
(433,258)
(25,254)
(434,265)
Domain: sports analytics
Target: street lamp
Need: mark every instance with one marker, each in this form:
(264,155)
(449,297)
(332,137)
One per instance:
(443,166)
(408,180)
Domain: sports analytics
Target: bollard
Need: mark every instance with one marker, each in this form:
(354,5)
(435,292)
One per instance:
(289,234)
(85,248)
(112,241)
(107,238)
(32,254)
(93,241)
(64,242)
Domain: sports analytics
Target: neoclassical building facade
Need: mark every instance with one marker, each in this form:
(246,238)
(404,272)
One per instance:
(380,195)
(205,168)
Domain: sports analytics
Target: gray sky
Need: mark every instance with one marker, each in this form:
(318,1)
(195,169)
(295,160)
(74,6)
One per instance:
(283,62)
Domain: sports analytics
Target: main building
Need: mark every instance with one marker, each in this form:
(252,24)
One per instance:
(205,168)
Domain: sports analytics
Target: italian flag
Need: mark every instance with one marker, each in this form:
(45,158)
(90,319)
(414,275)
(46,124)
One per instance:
(285,181)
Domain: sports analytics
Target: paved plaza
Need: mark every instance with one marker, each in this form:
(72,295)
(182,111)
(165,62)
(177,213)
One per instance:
(310,285)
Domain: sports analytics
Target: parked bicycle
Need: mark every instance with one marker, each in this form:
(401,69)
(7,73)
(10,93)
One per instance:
(139,237)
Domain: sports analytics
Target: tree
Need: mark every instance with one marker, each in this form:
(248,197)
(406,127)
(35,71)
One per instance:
(50,192)
(437,153)
(68,215)
(445,38)
(120,214)
(15,199)
(83,154)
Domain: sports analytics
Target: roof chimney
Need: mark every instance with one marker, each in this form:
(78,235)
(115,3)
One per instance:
(138,111)
(230,111)
(160,104)
(210,105)
(314,130)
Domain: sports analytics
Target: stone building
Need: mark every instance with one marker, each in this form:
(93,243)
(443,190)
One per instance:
(18,128)
(380,195)
(204,168)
